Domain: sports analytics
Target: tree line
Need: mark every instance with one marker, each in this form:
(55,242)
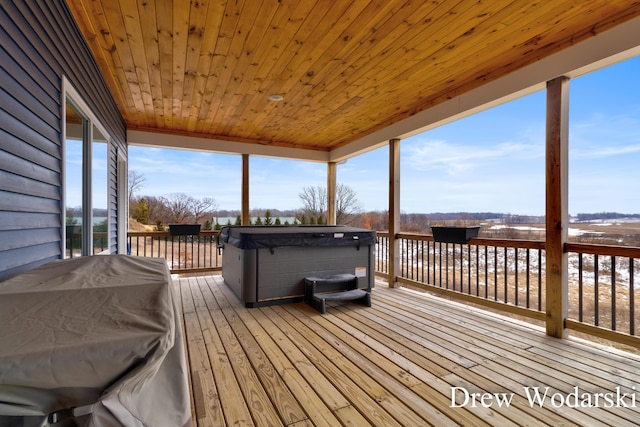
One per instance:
(181,208)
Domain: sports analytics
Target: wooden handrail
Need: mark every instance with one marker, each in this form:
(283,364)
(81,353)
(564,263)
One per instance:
(607,250)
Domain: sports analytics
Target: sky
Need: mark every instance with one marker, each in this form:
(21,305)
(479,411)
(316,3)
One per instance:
(492,161)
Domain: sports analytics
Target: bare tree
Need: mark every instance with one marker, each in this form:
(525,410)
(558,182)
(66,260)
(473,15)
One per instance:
(347,205)
(136,182)
(182,208)
(178,207)
(314,203)
(200,207)
(157,209)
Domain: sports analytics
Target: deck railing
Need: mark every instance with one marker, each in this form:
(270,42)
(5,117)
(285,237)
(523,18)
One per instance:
(73,246)
(500,273)
(509,275)
(503,274)
(191,253)
(602,288)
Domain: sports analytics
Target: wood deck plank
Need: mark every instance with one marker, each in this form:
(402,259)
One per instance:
(395,363)
(399,400)
(204,391)
(517,410)
(561,374)
(265,332)
(256,397)
(177,293)
(321,354)
(400,381)
(281,396)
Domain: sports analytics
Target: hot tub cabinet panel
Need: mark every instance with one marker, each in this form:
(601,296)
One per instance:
(267,265)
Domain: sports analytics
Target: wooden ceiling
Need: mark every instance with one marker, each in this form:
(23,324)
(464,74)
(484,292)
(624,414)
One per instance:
(345,68)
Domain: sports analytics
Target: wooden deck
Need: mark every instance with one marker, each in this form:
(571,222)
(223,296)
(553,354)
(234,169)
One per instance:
(395,363)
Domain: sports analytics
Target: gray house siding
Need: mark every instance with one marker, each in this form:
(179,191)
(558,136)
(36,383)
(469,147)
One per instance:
(39,44)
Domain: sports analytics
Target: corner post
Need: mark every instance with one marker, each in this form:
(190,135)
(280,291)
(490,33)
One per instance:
(246,217)
(557,211)
(394,210)
(331,193)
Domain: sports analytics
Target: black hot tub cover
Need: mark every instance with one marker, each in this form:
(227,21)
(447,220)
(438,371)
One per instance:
(256,237)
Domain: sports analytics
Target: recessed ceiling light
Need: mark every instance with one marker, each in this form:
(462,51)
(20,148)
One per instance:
(275,98)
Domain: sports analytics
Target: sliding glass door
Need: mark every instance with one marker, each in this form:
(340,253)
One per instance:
(86,181)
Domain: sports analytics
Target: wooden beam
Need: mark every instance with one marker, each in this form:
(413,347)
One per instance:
(557,216)
(394,210)
(246,217)
(331,193)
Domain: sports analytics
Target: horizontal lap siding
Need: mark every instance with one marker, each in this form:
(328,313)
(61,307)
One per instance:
(40,44)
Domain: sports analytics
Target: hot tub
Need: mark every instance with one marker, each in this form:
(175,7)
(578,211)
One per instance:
(267,265)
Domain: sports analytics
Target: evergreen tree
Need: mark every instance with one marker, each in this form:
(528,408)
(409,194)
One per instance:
(141,211)
(207,225)
(238,221)
(158,226)
(258,220)
(268,220)
(100,227)
(278,221)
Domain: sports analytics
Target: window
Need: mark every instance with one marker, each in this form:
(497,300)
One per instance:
(86,183)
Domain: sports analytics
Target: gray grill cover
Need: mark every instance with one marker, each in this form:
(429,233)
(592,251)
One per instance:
(100,330)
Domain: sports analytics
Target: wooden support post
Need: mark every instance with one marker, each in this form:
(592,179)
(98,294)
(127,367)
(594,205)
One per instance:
(331,193)
(557,215)
(394,210)
(246,217)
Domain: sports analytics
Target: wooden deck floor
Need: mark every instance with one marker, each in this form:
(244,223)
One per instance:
(395,363)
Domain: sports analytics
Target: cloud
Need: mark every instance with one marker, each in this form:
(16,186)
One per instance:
(604,135)
(606,151)
(452,159)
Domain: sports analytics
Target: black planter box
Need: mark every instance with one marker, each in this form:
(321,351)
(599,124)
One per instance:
(454,234)
(184,229)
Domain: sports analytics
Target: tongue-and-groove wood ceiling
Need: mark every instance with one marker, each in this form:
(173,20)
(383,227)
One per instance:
(345,68)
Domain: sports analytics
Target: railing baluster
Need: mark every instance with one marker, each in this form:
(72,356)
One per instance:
(477,270)
(446,265)
(495,273)
(197,240)
(595,291)
(613,293)
(469,269)
(539,279)
(528,283)
(486,272)
(434,263)
(580,288)
(422,258)
(414,256)
(506,275)
(632,293)
(204,251)
(440,264)
(515,267)
(453,264)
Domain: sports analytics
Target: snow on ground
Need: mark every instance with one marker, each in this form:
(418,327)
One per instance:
(572,231)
